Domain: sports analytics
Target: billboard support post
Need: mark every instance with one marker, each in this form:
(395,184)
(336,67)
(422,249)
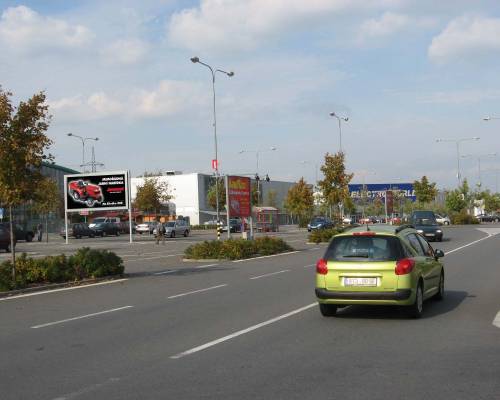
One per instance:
(226,178)
(129,206)
(65,210)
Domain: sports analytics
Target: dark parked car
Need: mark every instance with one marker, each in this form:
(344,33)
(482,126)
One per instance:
(5,238)
(425,223)
(78,230)
(106,228)
(488,217)
(235,225)
(20,232)
(319,223)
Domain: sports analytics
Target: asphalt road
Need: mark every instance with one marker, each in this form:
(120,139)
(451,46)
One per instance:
(251,330)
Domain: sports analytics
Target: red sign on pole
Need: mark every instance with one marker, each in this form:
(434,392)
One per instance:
(239,196)
(215,165)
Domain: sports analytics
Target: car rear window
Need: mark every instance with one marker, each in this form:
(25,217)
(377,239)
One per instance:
(364,248)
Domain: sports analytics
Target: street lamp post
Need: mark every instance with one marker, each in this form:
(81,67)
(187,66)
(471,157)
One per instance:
(257,177)
(83,139)
(340,119)
(479,157)
(196,60)
(457,143)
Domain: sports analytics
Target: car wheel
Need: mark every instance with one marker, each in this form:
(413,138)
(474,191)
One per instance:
(29,237)
(496,219)
(7,249)
(327,310)
(186,233)
(91,235)
(172,235)
(417,307)
(90,202)
(75,195)
(446,223)
(103,234)
(117,233)
(440,294)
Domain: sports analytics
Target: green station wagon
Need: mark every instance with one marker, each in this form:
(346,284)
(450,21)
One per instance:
(379,265)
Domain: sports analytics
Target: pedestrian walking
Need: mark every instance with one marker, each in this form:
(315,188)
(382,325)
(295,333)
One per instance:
(39,228)
(160,233)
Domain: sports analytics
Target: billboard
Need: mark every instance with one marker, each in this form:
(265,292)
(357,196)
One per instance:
(238,191)
(96,191)
(374,190)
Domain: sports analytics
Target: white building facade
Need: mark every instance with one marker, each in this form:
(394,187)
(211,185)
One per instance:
(189,194)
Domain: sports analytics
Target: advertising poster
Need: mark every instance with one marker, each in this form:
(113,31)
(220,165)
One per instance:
(239,196)
(96,191)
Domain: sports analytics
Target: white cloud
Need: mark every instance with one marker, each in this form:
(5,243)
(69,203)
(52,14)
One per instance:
(125,52)
(464,37)
(389,24)
(21,28)
(167,99)
(243,24)
(460,96)
(96,106)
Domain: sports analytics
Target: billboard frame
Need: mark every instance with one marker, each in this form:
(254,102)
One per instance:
(128,200)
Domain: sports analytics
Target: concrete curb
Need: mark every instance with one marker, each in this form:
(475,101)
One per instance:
(60,285)
(197,260)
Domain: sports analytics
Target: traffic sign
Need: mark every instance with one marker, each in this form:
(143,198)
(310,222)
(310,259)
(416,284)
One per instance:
(215,165)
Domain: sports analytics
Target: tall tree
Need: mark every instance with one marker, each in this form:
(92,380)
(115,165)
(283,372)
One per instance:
(425,191)
(23,146)
(300,201)
(47,199)
(334,187)
(212,197)
(152,195)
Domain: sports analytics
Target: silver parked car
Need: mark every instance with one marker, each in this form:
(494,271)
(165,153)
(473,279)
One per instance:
(443,219)
(176,228)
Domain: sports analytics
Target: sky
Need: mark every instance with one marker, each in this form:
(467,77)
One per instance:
(404,73)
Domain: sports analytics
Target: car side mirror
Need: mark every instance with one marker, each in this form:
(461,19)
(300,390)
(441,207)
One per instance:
(438,254)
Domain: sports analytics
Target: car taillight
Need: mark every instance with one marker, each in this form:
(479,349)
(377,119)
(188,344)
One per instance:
(322,267)
(404,266)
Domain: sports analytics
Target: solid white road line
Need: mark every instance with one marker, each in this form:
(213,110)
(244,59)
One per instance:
(154,258)
(196,291)
(80,317)
(63,289)
(166,272)
(315,248)
(273,255)
(470,244)
(496,321)
(242,332)
(205,266)
(309,266)
(270,274)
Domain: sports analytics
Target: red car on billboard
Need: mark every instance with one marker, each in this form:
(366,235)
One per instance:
(85,192)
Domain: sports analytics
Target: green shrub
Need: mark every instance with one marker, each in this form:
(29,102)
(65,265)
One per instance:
(85,263)
(323,235)
(235,249)
(462,218)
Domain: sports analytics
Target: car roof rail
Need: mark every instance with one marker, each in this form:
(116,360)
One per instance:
(403,227)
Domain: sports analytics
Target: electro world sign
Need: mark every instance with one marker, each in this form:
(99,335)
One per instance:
(374,190)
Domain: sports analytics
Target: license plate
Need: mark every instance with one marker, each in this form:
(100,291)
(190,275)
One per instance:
(360,281)
(429,234)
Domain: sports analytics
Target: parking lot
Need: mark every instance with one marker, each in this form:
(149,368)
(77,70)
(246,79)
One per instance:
(220,329)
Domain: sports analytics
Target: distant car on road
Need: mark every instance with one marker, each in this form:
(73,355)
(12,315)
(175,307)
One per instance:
(235,225)
(78,231)
(319,223)
(443,219)
(5,238)
(379,265)
(425,223)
